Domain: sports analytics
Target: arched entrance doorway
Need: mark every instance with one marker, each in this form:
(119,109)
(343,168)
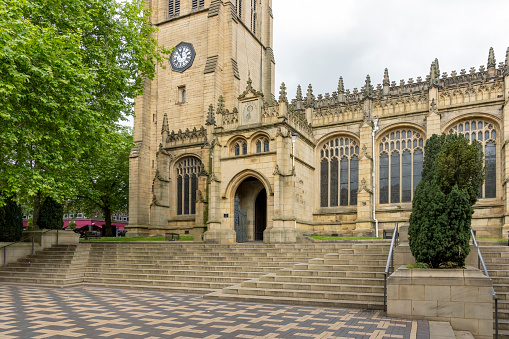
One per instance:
(260,214)
(250,210)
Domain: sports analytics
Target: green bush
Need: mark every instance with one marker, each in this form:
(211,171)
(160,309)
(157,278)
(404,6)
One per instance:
(71,225)
(11,222)
(442,210)
(51,215)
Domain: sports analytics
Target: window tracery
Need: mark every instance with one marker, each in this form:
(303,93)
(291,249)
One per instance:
(485,133)
(339,172)
(188,170)
(239,147)
(400,165)
(262,145)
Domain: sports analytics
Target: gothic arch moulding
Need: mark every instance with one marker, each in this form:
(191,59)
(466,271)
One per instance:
(180,157)
(399,125)
(338,134)
(235,182)
(472,116)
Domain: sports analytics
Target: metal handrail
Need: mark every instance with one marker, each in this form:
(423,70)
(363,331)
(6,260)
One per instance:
(480,261)
(390,263)
(23,240)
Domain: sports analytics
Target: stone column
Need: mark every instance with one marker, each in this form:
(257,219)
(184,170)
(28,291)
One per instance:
(364,222)
(218,232)
(505,152)
(433,117)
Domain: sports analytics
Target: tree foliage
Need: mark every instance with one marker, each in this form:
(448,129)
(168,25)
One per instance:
(11,222)
(69,70)
(442,206)
(104,178)
(51,215)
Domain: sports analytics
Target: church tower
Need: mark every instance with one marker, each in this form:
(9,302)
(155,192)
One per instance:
(219,46)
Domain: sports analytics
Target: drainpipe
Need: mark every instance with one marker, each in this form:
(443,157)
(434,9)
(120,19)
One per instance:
(375,129)
(294,138)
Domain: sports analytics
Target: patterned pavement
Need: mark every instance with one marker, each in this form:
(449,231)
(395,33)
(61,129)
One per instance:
(91,312)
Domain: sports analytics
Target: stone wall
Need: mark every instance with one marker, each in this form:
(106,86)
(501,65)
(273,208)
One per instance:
(463,297)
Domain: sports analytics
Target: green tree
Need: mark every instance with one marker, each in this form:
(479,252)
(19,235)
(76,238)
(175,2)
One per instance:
(442,209)
(51,215)
(69,70)
(11,222)
(104,183)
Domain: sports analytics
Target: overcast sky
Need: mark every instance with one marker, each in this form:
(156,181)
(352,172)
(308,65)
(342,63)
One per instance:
(318,41)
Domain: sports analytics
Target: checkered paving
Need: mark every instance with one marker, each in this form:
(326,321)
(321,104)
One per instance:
(86,312)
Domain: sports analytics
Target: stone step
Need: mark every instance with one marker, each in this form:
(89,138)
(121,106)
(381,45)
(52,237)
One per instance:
(190,267)
(53,275)
(161,283)
(156,277)
(336,274)
(498,272)
(172,289)
(339,267)
(191,260)
(237,274)
(341,261)
(305,294)
(41,281)
(372,305)
(273,277)
(311,287)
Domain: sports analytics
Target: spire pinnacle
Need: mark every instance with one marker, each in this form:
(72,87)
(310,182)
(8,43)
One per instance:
(310,98)
(368,89)
(282,93)
(491,58)
(386,81)
(506,72)
(341,86)
(299,93)
(211,119)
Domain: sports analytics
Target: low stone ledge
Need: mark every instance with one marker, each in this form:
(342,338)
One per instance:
(462,297)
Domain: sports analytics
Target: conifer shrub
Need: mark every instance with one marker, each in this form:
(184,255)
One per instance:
(11,222)
(51,215)
(442,207)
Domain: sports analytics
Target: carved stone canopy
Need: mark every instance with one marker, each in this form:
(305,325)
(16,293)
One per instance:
(250,92)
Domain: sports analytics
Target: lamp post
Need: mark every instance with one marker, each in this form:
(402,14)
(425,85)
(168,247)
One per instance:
(375,129)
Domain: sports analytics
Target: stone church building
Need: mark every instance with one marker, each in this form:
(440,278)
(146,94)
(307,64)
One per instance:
(220,154)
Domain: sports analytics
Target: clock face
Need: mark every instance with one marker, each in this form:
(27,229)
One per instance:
(182,57)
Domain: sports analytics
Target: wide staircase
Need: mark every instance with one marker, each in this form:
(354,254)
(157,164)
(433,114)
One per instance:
(496,259)
(352,277)
(60,265)
(339,274)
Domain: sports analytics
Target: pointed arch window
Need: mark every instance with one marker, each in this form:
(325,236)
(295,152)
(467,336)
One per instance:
(188,170)
(262,145)
(400,165)
(339,172)
(239,147)
(485,133)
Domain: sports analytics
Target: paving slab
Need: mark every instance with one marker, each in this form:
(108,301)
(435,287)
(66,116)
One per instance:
(92,312)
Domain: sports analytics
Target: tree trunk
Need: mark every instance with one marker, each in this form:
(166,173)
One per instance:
(37,210)
(108,232)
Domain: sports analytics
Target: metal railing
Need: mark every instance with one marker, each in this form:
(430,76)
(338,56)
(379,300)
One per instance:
(389,268)
(480,262)
(24,239)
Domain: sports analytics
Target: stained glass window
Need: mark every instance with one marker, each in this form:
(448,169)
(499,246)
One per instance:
(485,133)
(401,156)
(239,147)
(188,170)
(339,172)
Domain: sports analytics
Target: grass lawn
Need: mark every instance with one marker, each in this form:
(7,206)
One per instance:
(182,238)
(342,238)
